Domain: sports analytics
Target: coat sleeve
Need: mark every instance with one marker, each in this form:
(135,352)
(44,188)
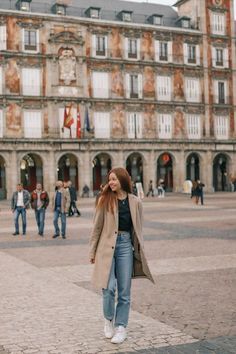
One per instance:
(98,223)
(140,211)
(67,200)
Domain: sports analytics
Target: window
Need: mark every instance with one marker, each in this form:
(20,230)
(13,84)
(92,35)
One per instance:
(220,57)
(193,126)
(126,16)
(164,88)
(32,124)
(1,123)
(31,80)
(30,40)
(185,23)
(1,80)
(220,88)
(164,126)
(65,132)
(24,5)
(132,48)
(100,84)
(157,20)
(192,90)
(60,10)
(218,23)
(191,54)
(94,13)
(163,51)
(102,123)
(221,127)
(134,125)
(99,45)
(3,38)
(134,86)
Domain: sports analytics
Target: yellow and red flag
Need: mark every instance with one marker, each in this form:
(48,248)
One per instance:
(68,119)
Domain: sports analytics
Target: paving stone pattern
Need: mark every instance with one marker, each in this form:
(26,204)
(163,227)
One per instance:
(48,305)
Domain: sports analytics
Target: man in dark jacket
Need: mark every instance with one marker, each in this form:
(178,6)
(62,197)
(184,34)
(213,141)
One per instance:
(20,201)
(39,202)
(73,198)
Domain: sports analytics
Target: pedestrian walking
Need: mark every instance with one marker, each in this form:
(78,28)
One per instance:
(73,199)
(60,205)
(199,191)
(39,203)
(116,250)
(150,189)
(20,202)
(161,188)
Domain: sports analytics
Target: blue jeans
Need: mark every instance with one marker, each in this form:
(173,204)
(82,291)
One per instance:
(57,214)
(20,211)
(120,278)
(40,217)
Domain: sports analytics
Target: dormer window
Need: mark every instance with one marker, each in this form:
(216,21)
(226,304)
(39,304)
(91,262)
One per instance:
(157,20)
(93,12)
(23,5)
(125,16)
(59,9)
(185,23)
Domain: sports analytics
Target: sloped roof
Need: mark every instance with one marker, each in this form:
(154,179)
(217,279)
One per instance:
(109,9)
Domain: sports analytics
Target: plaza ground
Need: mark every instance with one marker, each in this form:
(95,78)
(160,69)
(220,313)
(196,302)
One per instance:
(48,305)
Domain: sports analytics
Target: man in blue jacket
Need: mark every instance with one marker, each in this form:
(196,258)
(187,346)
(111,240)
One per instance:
(20,201)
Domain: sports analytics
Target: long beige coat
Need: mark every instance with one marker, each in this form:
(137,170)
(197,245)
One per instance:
(103,241)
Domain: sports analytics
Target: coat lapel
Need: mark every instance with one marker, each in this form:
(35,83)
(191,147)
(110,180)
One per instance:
(132,210)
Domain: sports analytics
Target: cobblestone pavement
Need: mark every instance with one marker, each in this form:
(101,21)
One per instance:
(48,305)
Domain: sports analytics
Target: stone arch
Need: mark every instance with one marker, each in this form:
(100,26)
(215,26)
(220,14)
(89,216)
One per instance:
(67,168)
(220,165)
(3,189)
(135,162)
(31,170)
(165,164)
(102,164)
(193,166)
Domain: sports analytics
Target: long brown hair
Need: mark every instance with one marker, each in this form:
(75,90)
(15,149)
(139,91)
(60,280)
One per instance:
(108,198)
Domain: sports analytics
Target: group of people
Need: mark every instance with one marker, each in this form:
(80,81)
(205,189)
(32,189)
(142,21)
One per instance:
(159,191)
(63,205)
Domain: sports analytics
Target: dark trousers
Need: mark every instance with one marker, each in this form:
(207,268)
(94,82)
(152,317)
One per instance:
(73,209)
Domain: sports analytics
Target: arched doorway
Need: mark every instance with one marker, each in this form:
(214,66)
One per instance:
(3,192)
(193,167)
(67,169)
(101,167)
(134,165)
(165,171)
(31,167)
(220,172)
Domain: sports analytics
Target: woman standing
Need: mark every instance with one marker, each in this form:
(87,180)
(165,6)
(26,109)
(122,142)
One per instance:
(116,249)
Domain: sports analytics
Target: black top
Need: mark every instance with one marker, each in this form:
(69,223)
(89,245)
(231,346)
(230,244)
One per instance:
(125,221)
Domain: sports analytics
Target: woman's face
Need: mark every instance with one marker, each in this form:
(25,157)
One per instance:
(114,183)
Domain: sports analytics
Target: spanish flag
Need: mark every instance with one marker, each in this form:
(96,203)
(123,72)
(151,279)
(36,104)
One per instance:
(68,119)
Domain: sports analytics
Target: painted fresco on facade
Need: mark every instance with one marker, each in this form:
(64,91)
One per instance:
(117,82)
(13,120)
(147,48)
(12,77)
(149,82)
(118,121)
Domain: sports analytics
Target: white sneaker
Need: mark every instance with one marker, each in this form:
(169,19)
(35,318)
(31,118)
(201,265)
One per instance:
(120,335)
(108,329)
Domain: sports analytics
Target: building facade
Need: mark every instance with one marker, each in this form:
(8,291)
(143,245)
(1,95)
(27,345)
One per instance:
(90,85)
